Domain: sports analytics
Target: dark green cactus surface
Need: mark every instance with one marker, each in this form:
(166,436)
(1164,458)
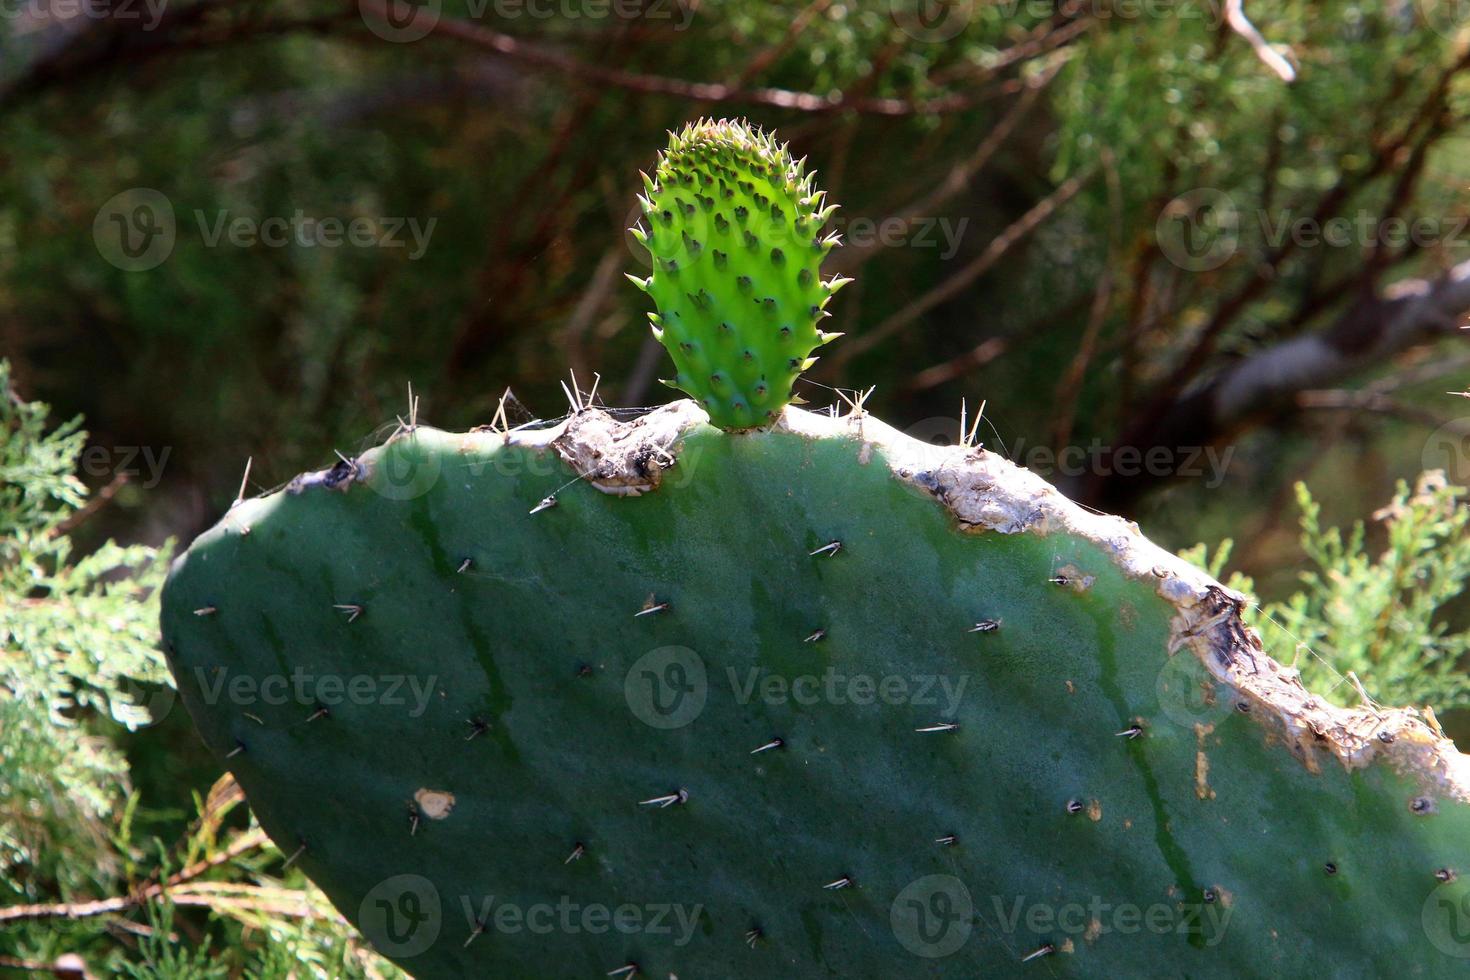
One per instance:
(819,701)
(735,239)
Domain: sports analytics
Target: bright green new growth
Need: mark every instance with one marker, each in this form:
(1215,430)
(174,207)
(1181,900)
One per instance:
(734,237)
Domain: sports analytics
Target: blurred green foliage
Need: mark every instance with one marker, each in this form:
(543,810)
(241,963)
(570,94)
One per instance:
(79,667)
(1379,617)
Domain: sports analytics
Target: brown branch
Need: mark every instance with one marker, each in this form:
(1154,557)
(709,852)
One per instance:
(957,367)
(957,283)
(81,910)
(1265,271)
(1337,400)
(98,500)
(1044,38)
(546,59)
(1408,314)
(849,259)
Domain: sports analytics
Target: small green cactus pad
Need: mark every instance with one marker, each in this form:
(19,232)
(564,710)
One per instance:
(817,700)
(734,235)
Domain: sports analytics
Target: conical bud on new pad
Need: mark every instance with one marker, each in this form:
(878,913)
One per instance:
(733,228)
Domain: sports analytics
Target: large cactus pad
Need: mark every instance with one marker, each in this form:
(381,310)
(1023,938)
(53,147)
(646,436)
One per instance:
(812,701)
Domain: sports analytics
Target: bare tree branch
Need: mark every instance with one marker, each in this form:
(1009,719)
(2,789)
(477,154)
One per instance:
(957,283)
(1407,314)
(547,59)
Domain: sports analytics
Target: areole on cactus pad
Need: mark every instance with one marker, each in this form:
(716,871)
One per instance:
(632,695)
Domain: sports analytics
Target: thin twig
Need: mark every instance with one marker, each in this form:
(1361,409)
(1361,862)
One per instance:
(545,59)
(977,267)
(81,910)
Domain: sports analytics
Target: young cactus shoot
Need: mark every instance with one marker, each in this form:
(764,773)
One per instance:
(734,234)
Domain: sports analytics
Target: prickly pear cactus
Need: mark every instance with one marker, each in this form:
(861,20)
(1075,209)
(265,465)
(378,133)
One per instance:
(646,698)
(735,240)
